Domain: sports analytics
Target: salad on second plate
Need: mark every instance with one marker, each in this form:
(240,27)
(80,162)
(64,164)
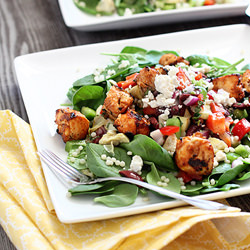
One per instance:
(179,123)
(130,7)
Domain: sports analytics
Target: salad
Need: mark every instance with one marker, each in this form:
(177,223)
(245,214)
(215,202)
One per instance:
(179,123)
(130,7)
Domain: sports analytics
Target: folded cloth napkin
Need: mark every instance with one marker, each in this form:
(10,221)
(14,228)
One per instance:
(27,215)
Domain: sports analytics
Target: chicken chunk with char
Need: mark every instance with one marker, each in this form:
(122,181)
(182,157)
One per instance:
(194,155)
(72,125)
(132,123)
(116,102)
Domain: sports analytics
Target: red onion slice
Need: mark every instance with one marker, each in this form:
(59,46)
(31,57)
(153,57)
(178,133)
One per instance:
(191,100)
(236,163)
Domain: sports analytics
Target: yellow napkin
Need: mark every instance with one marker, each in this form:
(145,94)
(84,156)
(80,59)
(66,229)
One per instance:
(26,212)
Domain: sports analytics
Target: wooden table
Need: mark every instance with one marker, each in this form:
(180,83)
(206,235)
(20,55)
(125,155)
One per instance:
(29,26)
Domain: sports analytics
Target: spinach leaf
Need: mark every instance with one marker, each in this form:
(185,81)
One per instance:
(246,67)
(134,50)
(88,6)
(98,166)
(154,176)
(123,195)
(151,151)
(72,147)
(98,188)
(85,81)
(220,169)
(192,189)
(226,187)
(89,96)
(199,59)
(230,175)
(244,177)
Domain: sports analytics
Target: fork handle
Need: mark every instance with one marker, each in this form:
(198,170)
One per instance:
(203,204)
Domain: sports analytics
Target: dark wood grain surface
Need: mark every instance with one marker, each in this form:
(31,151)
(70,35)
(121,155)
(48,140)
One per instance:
(28,26)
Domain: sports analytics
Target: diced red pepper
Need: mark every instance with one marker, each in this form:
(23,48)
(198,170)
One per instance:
(198,76)
(131,174)
(216,108)
(184,80)
(216,123)
(149,111)
(209,2)
(130,81)
(210,97)
(169,130)
(241,128)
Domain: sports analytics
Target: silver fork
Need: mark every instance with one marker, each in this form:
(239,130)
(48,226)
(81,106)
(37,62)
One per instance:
(76,178)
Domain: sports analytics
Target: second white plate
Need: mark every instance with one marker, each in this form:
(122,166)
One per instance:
(75,18)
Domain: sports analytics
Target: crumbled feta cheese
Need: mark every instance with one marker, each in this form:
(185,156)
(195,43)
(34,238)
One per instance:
(99,78)
(128,12)
(104,157)
(123,64)
(246,102)
(170,143)
(106,6)
(235,141)
(220,156)
(222,97)
(111,72)
(193,183)
(129,153)
(136,163)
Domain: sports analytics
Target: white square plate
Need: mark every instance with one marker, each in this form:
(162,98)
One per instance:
(45,77)
(75,18)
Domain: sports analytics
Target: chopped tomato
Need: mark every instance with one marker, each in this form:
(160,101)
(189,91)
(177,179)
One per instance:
(198,77)
(187,177)
(149,111)
(130,81)
(169,130)
(241,128)
(216,108)
(226,138)
(209,2)
(216,123)
(184,80)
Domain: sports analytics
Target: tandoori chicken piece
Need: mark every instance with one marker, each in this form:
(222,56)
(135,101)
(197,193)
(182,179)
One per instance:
(146,78)
(132,123)
(246,80)
(116,102)
(231,84)
(194,155)
(171,59)
(72,125)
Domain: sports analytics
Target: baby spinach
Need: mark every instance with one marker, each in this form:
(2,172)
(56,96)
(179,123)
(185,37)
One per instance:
(230,175)
(220,169)
(72,147)
(123,195)
(88,6)
(89,96)
(151,151)
(98,166)
(98,188)
(154,176)
(244,177)
(190,189)
(226,187)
